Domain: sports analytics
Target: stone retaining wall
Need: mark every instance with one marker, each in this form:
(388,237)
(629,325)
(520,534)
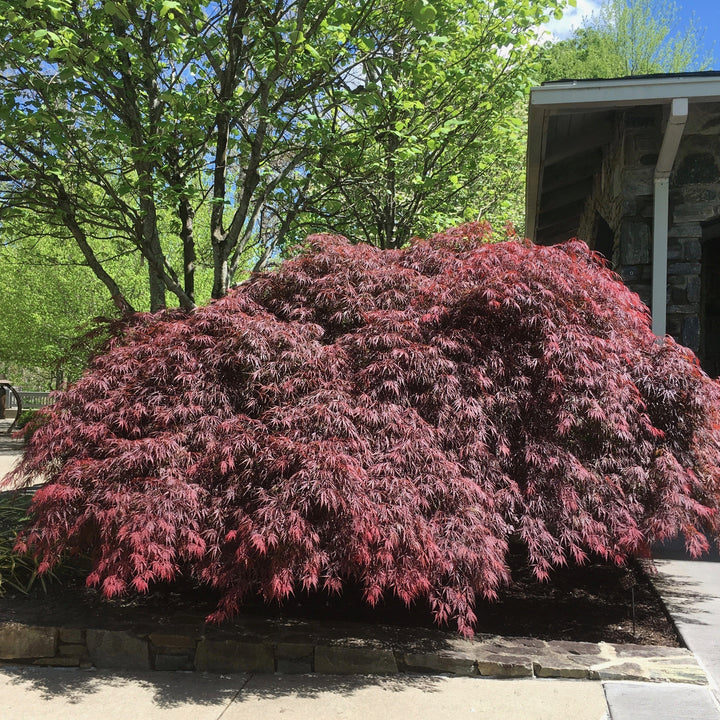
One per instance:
(483,657)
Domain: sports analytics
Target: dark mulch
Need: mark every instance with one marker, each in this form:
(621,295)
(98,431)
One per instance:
(590,603)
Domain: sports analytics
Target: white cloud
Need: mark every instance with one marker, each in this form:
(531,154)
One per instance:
(571,20)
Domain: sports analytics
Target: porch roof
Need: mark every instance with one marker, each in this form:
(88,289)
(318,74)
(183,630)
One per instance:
(570,123)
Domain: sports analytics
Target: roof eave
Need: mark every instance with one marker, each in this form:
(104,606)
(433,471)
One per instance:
(584,95)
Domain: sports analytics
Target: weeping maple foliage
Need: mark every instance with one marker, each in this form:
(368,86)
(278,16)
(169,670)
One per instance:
(393,418)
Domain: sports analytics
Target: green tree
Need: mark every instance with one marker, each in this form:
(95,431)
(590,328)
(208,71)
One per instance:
(157,104)
(258,118)
(626,37)
(49,301)
(430,133)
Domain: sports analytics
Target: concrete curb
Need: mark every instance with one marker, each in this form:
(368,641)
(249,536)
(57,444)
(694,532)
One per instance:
(292,647)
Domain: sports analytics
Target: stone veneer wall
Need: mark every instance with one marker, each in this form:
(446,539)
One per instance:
(291,648)
(623,197)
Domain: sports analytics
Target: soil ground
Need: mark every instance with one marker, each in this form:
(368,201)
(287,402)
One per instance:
(590,603)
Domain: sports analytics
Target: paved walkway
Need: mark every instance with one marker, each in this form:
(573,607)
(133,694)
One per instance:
(690,590)
(35,694)
(10,449)
(691,593)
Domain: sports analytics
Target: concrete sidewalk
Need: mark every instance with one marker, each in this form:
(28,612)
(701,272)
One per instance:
(10,449)
(36,694)
(690,590)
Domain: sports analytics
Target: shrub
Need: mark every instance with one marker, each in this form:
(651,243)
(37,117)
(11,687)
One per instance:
(24,418)
(27,423)
(17,571)
(390,417)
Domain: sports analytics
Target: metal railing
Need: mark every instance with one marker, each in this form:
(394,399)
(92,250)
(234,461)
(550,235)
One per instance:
(31,400)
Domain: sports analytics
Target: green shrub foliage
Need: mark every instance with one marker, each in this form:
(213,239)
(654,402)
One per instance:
(17,571)
(390,417)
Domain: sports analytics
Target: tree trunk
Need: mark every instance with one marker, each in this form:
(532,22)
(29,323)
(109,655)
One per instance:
(68,215)
(217,230)
(187,217)
(151,248)
(157,290)
(221,276)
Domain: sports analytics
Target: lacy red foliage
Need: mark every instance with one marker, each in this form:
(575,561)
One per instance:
(390,417)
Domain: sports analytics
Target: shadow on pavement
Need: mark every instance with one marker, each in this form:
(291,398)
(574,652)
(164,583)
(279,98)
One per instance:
(165,688)
(684,599)
(174,689)
(312,686)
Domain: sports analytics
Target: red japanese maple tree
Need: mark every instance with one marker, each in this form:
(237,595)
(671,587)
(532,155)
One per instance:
(390,417)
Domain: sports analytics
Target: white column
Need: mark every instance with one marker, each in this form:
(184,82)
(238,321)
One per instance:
(666,159)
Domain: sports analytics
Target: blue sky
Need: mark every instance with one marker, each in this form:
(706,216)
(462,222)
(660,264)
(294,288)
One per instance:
(707,17)
(706,14)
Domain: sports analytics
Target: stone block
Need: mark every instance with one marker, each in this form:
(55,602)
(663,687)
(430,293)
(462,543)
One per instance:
(292,651)
(637,181)
(71,635)
(72,649)
(685,309)
(703,120)
(631,273)
(629,206)
(497,665)
(295,666)
(634,243)
(678,295)
(695,194)
(652,653)
(690,212)
(168,661)
(699,167)
(117,649)
(295,658)
(694,288)
(643,290)
(621,671)
(649,159)
(575,648)
(58,662)
(643,120)
(692,250)
(685,230)
(674,327)
(691,332)
(515,646)
(683,268)
(675,251)
(343,660)
(561,670)
(455,663)
(672,671)
(167,640)
(19,642)
(234,656)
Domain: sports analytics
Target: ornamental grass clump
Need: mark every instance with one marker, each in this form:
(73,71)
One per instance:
(392,418)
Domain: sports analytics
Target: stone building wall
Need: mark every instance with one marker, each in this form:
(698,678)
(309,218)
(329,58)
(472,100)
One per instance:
(694,204)
(606,199)
(623,199)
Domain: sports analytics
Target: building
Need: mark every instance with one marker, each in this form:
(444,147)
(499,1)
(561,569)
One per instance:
(632,166)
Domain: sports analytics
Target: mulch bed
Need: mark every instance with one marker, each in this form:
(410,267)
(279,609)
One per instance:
(590,603)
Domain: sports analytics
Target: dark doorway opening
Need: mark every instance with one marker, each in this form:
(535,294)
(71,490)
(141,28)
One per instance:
(710,299)
(604,240)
